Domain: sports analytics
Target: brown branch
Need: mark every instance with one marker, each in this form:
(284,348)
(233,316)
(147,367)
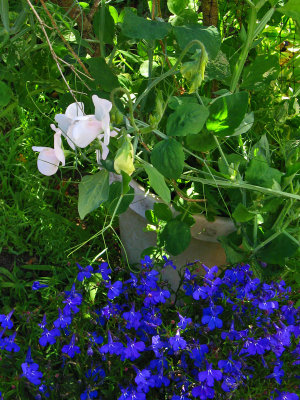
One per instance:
(64,40)
(93,9)
(54,56)
(177,190)
(75,13)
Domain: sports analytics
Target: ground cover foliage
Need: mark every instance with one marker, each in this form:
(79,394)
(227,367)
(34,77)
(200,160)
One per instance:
(92,48)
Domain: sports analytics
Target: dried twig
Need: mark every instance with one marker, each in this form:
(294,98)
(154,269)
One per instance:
(54,56)
(93,9)
(64,40)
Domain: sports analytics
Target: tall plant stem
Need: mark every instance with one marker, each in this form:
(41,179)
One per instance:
(102,27)
(247,46)
(172,71)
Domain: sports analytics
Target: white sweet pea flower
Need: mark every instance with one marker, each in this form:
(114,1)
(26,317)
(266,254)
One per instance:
(102,110)
(81,130)
(49,159)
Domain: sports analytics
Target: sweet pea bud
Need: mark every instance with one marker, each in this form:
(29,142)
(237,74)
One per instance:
(124,158)
(116,116)
(193,71)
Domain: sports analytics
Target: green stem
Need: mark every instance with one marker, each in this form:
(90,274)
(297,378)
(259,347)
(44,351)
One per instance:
(241,184)
(221,151)
(281,216)
(150,67)
(130,105)
(247,46)
(172,71)
(102,27)
(255,231)
(263,244)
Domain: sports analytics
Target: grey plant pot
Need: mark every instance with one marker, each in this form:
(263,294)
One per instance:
(204,245)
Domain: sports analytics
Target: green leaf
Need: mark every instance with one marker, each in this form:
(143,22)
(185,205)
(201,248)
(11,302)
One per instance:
(5,94)
(167,157)
(186,17)
(209,36)
(108,28)
(291,9)
(226,113)
(115,191)
(186,218)
(245,125)
(241,214)
(136,27)
(188,119)
(151,217)
(158,183)
(203,141)
(102,74)
(175,101)
(177,6)
(162,211)
(176,236)
(93,190)
(218,69)
(234,254)
(261,174)
(4,13)
(261,72)
(278,249)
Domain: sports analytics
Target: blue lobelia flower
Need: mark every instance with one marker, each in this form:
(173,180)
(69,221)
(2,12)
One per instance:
(277,374)
(286,396)
(144,380)
(30,369)
(133,318)
(104,270)
(89,394)
(49,336)
(63,320)
(71,349)
(37,285)
(198,354)
(210,375)
(177,342)
(133,349)
(157,345)
(203,392)
(84,272)
(168,262)
(5,320)
(184,321)
(112,347)
(114,290)
(73,299)
(210,317)
(9,344)
(130,393)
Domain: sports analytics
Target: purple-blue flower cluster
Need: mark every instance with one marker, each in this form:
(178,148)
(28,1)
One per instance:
(218,337)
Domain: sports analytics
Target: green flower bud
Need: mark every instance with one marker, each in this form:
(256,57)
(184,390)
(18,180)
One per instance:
(193,71)
(124,158)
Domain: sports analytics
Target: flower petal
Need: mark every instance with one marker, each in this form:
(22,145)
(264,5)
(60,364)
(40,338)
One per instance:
(47,162)
(75,110)
(57,148)
(39,148)
(84,132)
(63,122)
(102,107)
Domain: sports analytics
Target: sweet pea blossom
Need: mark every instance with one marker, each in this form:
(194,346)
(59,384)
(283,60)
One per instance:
(49,159)
(81,130)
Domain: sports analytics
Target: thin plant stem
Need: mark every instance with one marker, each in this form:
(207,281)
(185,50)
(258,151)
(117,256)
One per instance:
(172,71)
